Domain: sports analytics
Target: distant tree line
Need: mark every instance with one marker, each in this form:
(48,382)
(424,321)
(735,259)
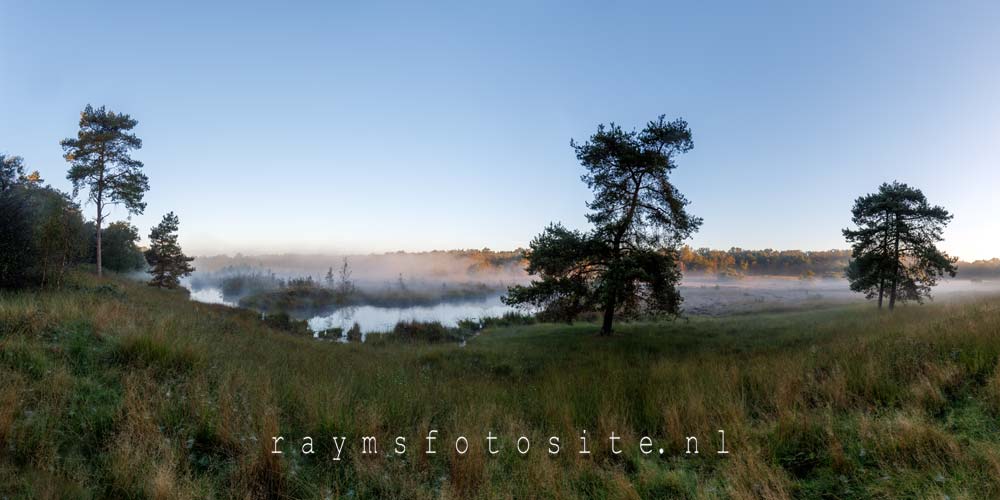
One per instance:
(490,260)
(979,269)
(825,263)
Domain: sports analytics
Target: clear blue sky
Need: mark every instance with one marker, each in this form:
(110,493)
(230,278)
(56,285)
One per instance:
(370,126)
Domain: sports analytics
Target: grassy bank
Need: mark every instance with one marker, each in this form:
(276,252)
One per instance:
(115,389)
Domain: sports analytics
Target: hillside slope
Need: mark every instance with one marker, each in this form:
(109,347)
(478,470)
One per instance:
(113,389)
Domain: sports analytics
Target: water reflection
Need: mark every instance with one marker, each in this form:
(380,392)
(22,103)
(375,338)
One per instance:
(211,296)
(381,319)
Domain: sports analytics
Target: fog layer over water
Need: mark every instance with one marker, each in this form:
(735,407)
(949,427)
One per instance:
(417,273)
(453,266)
(446,286)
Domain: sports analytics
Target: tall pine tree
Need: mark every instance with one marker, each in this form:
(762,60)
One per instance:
(628,263)
(100,161)
(168,263)
(893,249)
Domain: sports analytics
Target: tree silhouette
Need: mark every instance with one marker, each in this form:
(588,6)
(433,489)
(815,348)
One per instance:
(345,287)
(11,171)
(893,249)
(628,263)
(168,263)
(100,161)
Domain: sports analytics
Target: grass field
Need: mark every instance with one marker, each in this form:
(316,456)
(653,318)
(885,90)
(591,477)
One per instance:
(113,389)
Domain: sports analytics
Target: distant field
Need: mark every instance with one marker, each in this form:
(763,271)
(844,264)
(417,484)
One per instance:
(115,389)
(712,296)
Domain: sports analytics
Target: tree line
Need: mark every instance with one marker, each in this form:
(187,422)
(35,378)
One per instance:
(43,231)
(980,269)
(738,261)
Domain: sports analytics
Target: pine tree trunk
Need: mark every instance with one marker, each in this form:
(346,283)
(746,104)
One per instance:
(99,241)
(895,273)
(885,250)
(612,303)
(609,315)
(100,211)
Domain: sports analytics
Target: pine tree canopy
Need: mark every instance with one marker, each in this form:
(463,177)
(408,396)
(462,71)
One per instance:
(893,249)
(100,159)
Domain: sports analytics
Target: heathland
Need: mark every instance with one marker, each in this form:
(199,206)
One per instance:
(110,388)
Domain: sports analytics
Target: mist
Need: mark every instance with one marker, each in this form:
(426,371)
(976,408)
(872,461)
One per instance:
(454,265)
(448,275)
(706,294)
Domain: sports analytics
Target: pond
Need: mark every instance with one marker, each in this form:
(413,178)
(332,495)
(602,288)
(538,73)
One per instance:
(381,319)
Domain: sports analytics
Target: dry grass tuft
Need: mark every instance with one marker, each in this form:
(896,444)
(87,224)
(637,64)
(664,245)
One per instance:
(751,477)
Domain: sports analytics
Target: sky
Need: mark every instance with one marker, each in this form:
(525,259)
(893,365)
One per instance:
(365,126)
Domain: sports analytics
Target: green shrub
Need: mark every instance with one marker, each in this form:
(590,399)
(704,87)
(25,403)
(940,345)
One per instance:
(354,334)
(282,321)
(423,331)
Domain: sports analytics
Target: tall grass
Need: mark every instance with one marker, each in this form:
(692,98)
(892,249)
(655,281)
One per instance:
(114,389)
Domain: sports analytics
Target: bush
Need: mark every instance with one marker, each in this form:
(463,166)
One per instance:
(42,234)
(354,334)
(16,242)
(424,331)
(510,318)
(331,333)
(282,321)
(470,324)
(119,251)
